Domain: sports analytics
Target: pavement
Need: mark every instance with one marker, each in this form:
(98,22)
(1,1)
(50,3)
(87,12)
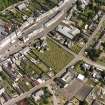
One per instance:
(75,60)
(76,57)
(7,48)
(43,24)
(54,98)
(27,94)
(91,38)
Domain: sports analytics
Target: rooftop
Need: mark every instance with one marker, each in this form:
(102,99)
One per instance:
(69,32)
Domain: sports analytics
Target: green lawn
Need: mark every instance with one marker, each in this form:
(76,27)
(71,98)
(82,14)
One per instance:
(25,85)
(41,65)
(76,48)
(6,82)
(56,57)
(77,67)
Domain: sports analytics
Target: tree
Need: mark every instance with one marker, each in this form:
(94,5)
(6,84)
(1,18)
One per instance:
(83,103)
(103,44)
(93,53)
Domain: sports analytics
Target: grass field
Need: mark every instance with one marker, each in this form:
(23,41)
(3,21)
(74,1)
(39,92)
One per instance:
(76,48)
(56,57)
(41,65)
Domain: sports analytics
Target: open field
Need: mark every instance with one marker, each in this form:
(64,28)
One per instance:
(56,57)
(42,66)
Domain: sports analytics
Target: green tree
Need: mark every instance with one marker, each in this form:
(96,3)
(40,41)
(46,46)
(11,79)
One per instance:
(93,53)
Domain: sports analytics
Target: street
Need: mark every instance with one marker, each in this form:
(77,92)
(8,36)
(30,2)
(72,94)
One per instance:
(7,49)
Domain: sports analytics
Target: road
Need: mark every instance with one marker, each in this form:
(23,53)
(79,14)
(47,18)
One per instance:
(27,94)
(91,38)
(78,57)
(54,98)
(43,24)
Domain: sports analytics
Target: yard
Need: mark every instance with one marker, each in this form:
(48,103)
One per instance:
(5,3)
(6,82)
(28,68)
(56,57)
(25,84)
(77,67)
(41,65)
(76,48)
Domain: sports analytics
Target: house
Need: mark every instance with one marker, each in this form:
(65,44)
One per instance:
(84,3)
(30,20)
(86,66)
(25,51)
(97,95)
(8,27)
(40,81)
(17,88)
(22,6)
(38,94)
(2,90)
(10,68)
(60,82)
(96,75)
(69,32)
(95,102)
(81,77)
(68,75)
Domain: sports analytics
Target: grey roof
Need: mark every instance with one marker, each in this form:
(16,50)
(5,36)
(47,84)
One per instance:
(69,32)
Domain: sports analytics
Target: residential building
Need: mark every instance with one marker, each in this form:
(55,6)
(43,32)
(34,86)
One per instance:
(21,6)
(38,94)
(84,3)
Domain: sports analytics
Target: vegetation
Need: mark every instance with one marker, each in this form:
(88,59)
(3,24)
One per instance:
(56,57)
(6,82)
(101,61)
(25,85)
(100,2)
(41,64)
(78,67)
(29,68)
(5,3)
(93,53)
(103,44)
(87,14)
(76,48)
